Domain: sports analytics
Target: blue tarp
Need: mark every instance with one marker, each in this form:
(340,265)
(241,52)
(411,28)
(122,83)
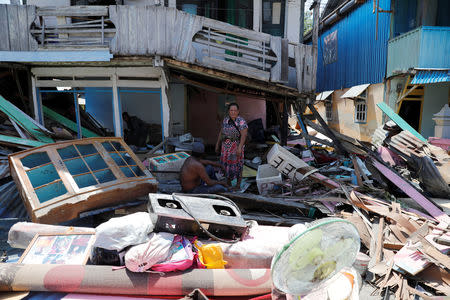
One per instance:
(429,76)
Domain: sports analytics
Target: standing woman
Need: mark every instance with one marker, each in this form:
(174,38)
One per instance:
(232,135)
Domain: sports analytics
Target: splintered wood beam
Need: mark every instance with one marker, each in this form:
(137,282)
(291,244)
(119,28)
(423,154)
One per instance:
(340,149)
(236,79)
(433,209)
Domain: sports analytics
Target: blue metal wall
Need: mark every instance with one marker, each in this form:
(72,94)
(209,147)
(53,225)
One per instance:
(360,58)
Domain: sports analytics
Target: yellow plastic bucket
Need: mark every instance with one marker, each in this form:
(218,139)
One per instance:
(211,256)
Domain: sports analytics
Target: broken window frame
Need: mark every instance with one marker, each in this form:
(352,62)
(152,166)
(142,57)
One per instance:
(42,209)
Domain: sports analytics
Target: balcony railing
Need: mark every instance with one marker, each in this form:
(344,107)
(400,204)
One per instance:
(423,47)
(128,30)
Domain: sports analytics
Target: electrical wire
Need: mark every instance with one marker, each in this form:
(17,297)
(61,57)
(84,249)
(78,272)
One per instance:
(175,196)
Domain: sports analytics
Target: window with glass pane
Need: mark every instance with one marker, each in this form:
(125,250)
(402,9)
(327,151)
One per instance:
(123,159)
(43,176)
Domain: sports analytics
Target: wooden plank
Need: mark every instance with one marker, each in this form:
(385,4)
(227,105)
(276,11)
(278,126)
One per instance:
(31,14)
(218,74)
(151,27)
(314,58)
(284,60)
(13,27)
(4,34)
(22,20)
(328,131)
(73,11)
(11,140)
(170,23)
(134,29)
(66,122)
(275,45)
(17,128)
(255,47)
(24,121)
(236,68)
(307,69)
(315,31)
(227,28)
(113,45)
(256,63)
(406,187)
(144,33)
(299,54)
(122,38)
(399,121)
(177,33)
(224,46)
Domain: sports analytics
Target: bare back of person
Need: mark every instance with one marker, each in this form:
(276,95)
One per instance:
(190,174)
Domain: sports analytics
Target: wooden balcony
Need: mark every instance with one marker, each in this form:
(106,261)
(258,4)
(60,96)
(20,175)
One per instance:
(155,30)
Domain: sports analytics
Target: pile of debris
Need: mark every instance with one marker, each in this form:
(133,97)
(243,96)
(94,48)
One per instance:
(388,201)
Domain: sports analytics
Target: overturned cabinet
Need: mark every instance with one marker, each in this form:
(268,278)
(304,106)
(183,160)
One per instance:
(59,181)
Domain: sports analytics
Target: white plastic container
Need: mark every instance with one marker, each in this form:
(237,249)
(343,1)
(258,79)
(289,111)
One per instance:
(285,162)
(266,178)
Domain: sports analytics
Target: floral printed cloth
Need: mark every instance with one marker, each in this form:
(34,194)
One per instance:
(230,142)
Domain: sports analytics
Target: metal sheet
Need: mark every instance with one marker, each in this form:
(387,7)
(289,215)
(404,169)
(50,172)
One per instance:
(323,95)
(355,91)
(423,77)
(360,57)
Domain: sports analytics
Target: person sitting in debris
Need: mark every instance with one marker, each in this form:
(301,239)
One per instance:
(197,175)
(136,132)
(232,137)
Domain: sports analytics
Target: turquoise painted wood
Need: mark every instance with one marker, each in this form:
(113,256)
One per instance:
(66,122)
(423,47)
(19,141)
(24,121)
(399,121)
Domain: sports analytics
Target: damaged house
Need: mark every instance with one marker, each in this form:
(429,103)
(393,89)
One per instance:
(173,65)
(398,55)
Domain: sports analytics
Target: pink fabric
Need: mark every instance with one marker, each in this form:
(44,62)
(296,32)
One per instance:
(390,157)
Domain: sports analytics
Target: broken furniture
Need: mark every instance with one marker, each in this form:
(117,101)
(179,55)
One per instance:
(185,214)
(59,181)
(168,166)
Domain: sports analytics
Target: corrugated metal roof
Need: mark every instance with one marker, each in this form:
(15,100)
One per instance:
(355,91)
(323,95)
(423,77)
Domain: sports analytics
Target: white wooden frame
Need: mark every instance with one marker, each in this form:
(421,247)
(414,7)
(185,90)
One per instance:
(114,75)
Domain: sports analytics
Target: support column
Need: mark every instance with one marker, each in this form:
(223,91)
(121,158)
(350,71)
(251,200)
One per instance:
(257,15)
(284,124)
(116,108)
(165,108)
(37,104)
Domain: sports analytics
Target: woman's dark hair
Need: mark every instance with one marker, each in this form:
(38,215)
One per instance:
(232,104)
